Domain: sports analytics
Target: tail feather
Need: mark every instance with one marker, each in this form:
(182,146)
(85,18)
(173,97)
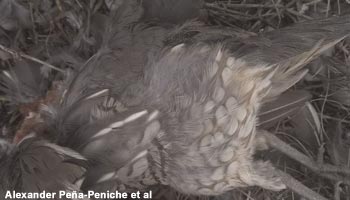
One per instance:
(292,70)
(291,48)
(285,105)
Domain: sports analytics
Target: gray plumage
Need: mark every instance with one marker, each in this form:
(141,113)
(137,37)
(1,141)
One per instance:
(183,79)
(23,83)
(35,165)
(178,105)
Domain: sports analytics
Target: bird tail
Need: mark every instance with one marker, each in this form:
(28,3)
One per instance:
(289,49)
(292,70)
(285,105)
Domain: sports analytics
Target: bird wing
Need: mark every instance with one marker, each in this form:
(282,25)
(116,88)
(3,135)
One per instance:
(117,148)
(35,165)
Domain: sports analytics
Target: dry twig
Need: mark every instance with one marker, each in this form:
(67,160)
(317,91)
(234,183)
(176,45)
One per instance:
(17,55)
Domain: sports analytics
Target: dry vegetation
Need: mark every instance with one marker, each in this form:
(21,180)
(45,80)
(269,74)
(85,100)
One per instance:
(65,33)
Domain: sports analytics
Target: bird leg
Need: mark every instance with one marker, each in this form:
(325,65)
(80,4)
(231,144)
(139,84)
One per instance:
(291,152)
(297,187)
(325,170)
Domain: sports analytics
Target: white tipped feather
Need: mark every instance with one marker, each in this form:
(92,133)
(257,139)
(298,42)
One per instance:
(102,132)
(135,116)
(119,124)
(140,155)
(7,74)
(153,116)
(106,177)
(177,47)
(97,94)
(65,151)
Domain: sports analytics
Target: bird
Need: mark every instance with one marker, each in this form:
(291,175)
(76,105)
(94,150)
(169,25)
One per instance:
(171,105)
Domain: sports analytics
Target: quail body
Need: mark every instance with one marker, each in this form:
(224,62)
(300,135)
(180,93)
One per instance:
(179,105)
(204,93)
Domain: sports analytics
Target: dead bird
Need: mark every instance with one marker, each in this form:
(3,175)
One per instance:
(186,113)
